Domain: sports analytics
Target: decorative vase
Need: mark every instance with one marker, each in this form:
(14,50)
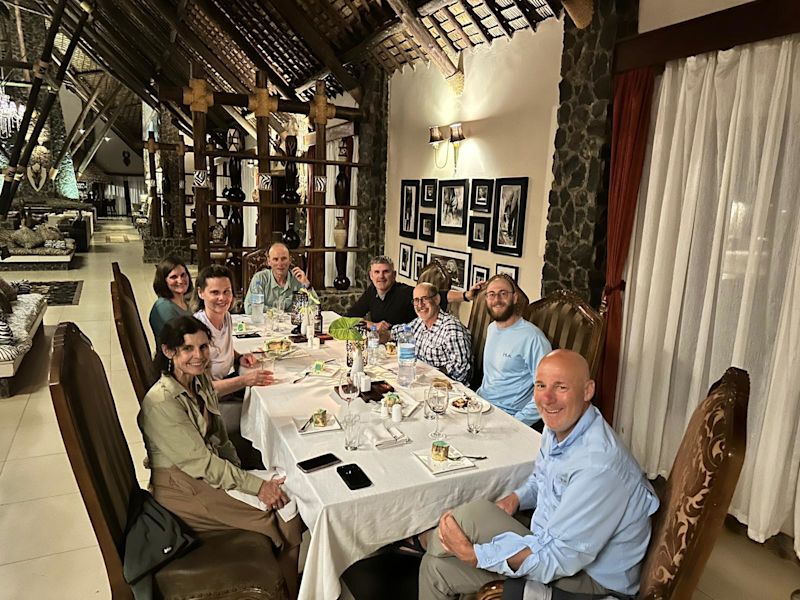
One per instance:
(291,237)
(341,283)
(235,227)
(358,362)
(339,233)
(290,195)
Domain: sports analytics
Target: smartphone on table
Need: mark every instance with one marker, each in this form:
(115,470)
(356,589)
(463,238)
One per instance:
(318,462)
(353,476)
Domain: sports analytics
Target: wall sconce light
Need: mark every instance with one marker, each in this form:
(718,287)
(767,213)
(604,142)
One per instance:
(441,143)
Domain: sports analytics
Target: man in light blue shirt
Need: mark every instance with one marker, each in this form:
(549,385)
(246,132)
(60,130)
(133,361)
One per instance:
(513,349)
(591,526)
(279,282)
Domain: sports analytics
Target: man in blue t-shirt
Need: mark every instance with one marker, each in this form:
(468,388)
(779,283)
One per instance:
(512,352)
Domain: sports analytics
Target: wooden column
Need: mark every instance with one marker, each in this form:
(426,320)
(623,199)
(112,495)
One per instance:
(180,230)
(262,104)
(156,229)
(199,99)
(316,216)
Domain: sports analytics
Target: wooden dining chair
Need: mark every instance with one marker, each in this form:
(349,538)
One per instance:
(226,565)
(569,322)
(133,342)
(697,494)
(124,283)
(437,275)
(478,325)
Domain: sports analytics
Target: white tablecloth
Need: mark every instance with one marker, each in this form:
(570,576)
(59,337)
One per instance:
(404,499)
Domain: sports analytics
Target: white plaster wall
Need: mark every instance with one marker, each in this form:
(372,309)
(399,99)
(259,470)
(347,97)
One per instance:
(508,111)
(655,14)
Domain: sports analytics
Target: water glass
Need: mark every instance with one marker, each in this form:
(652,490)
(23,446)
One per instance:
(434,389)
(437,402)
(474,416)
(351,424)
(266,362)
(348,388)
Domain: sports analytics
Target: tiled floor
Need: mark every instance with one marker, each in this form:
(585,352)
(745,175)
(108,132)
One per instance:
(47,547)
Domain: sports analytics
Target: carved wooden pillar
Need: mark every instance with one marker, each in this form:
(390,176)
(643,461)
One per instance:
(199,99)
(180,226)
(262,104)
(156,229)
(316,217)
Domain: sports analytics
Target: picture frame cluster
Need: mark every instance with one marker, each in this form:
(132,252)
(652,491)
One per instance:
(491,212)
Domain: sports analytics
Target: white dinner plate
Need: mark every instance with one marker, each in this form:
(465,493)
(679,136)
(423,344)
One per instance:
(487,406)
(455,462)
(333,424)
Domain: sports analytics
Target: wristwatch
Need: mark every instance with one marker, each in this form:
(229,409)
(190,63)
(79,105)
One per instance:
(465,297)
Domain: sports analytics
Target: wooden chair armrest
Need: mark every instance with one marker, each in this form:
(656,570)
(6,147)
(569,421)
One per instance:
(491,591)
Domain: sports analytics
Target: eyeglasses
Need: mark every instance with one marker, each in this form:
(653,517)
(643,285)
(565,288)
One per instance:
(502,294)
(422,300)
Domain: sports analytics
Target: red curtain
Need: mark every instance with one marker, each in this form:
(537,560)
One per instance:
(633,92)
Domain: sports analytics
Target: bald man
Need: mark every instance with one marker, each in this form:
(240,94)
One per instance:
(591,524)
(280,281)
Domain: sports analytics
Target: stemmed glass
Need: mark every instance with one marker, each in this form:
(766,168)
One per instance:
(437,402)
(347,388)
(280,313)
(434,388)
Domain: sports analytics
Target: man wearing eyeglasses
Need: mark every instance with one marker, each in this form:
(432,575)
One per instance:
(441,340)
(388,302)
(512,352)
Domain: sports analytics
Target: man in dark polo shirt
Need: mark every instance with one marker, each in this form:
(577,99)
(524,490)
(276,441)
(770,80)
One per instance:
(386,302)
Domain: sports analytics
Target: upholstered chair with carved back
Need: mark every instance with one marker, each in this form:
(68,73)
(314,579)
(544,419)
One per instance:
(225,565)
(123,283)
(133,341)
(252,263)
(478,325)
(697,494)
(570,323)
(436,274)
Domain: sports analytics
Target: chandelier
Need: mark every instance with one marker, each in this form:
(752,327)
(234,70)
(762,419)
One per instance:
(10,114)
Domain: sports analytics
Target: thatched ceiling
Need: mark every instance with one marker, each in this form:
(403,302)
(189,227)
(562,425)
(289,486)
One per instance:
(146,43)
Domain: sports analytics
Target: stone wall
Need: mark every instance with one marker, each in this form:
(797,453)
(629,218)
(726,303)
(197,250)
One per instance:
(575,249)
(156,249)
(339,302)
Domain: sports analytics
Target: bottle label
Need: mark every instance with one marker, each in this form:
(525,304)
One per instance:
(406,352)
(372,343)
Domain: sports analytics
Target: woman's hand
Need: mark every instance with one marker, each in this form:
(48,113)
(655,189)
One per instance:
(271,494)
(248,360)
(258,377)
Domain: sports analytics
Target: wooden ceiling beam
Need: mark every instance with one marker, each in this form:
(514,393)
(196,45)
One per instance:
(476,21)
(413,23)
(318,44)
(494,9)
(447,42)
(449,16)
(526,11)
(238,38)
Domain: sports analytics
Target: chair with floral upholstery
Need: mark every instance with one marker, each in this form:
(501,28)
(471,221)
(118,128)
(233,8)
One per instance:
(569,322)
(697,494)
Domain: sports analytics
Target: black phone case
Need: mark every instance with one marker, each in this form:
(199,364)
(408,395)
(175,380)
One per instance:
(304,467)
(353,476)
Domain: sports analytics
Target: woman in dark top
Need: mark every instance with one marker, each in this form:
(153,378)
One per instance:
(171,284)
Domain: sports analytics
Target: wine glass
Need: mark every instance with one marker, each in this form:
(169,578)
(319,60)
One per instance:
(437,402)
(434,388)
(347,388)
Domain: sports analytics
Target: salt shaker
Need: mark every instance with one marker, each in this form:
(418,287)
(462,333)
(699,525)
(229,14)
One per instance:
(365,383)
(384,410)
(397,413)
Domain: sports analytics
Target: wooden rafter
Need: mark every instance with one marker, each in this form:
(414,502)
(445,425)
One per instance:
(494,10)
(449,16)
(476,21)
(318,44)
(447,43)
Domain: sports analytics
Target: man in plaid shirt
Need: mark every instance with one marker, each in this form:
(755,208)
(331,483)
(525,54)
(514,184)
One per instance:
(442,341)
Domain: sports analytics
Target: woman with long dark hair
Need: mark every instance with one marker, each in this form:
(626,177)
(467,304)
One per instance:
(171,284)
(215,290)
(193,462)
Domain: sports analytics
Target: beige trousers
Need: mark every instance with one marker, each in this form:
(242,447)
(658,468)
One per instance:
(442,576)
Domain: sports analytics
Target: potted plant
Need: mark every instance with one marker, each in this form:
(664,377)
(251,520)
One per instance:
(350,330)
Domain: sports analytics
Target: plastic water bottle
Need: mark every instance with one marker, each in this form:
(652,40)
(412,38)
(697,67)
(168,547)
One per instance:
(372,345)
(406,357)
(257,309)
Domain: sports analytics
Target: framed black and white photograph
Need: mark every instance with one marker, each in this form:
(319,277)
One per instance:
(511,196)
(481,195)
(451,213)
(509,270)
(480,228)
(427,227)
(479,274)
(455,264)
(419,264)
(428,198)
(409,207)
(404,269)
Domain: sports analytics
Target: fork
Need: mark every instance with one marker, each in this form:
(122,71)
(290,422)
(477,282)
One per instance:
(470,457)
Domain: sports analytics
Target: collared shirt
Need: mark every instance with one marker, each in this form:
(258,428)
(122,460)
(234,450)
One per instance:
(446,345)
(593,507)
(264,282)
(395,307)
(221,353)
(176,433)
(510,358)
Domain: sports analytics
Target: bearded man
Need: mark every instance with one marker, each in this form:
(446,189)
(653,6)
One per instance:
(513,350)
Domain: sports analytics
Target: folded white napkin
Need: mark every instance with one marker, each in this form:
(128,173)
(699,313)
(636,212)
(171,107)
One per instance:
(385,435)
(287,513)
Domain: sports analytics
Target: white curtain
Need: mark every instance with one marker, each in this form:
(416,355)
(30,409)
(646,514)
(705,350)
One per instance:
(713,272)
(332,153)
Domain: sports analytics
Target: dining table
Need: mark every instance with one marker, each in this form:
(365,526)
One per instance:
(405,496)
